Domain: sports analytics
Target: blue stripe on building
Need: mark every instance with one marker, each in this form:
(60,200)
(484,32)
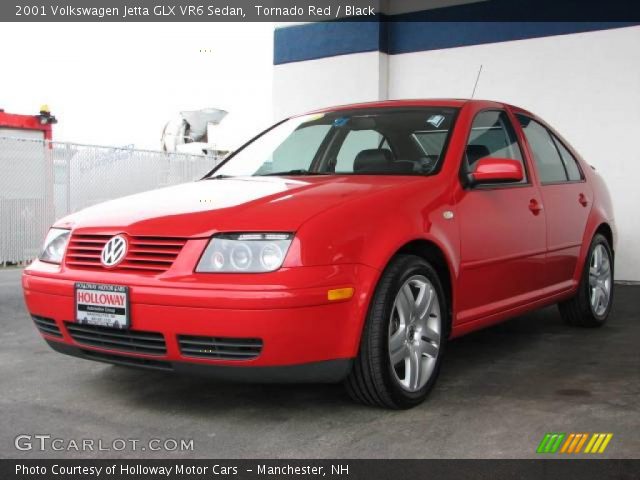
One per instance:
(322,40)
(326,39)
(406,37)
(480,23)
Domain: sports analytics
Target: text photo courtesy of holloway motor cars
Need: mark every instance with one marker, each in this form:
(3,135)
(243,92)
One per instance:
(347,239)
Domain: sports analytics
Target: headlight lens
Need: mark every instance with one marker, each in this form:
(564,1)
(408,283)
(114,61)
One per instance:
(245,252)
(55,245)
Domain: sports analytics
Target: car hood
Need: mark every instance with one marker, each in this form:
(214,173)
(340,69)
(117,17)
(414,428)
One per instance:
(236,204)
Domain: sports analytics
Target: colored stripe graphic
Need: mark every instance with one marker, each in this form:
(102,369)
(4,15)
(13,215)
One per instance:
(598,443)
(550,443)
(572,443)
(568,442)
(584,439)
(606,442)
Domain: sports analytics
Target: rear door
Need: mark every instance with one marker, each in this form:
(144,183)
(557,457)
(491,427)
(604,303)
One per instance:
(502,227)
(566,197)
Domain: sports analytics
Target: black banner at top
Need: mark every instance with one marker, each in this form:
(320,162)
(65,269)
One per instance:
(319,10)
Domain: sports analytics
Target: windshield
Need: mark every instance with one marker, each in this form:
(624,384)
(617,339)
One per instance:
(407,141)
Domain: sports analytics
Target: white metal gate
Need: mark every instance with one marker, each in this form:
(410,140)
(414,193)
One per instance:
(41,181)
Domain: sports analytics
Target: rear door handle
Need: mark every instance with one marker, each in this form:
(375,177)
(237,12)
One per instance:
(584,201)
(535,206)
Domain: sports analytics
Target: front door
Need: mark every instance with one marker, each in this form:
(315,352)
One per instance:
(502,228)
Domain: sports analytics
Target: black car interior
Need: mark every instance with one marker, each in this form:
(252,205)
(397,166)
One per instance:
(399,150)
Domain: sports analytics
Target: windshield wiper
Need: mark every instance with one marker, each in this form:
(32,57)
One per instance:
(298,171)
(218,177)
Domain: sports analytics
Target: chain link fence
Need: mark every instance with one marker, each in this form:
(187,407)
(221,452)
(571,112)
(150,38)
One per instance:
(41,181)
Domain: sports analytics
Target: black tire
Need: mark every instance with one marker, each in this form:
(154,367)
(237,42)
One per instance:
(372,381)
(578,311)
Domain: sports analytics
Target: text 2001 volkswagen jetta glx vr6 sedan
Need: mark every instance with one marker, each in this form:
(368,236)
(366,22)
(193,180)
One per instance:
(346,244)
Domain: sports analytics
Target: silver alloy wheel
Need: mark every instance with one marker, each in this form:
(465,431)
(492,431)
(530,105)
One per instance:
(600,280)
(414,333)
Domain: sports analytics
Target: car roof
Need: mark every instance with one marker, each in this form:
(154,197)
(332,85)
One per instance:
(418,102)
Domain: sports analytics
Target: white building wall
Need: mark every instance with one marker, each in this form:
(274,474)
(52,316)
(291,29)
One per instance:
(586,85)
(303,86)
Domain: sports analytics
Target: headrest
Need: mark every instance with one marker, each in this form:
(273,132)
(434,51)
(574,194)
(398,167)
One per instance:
(374,160)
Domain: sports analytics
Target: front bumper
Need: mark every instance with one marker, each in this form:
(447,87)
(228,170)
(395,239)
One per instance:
(304,335)
(327,371)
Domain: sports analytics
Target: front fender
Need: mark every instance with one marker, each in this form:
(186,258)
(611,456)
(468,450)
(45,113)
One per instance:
(372,229)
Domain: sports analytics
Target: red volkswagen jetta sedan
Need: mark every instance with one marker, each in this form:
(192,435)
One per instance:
(346,244)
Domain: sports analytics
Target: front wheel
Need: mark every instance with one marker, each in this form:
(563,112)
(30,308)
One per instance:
(591,305)
(403,339)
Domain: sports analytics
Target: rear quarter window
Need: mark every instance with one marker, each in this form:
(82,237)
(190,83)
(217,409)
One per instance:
(570,162)
(546,156)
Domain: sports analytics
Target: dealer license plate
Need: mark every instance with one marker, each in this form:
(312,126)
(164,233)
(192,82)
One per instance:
(104,305)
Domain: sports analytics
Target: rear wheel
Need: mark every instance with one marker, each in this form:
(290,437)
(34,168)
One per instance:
(403,339)
(591,305)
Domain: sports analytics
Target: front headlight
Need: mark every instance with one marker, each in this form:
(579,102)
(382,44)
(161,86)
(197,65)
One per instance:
(245,252)
(55,245)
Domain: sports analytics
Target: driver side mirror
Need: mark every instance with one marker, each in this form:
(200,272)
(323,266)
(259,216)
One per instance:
(490,170)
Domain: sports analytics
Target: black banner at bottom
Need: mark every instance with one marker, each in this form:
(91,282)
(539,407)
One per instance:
(583,469)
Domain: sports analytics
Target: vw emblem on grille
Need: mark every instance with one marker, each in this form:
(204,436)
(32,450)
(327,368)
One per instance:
(114,251)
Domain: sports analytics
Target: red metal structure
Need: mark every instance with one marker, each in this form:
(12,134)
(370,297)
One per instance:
(26,195)
(43,122)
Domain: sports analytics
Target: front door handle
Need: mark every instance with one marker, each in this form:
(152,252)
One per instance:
(535,206)
(582,198)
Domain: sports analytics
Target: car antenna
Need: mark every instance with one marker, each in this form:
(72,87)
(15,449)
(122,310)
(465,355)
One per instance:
(477,80)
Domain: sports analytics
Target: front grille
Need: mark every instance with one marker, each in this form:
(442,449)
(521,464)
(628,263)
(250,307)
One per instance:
(144,254)
(220,348)
(150,343)
(47,326)
(128,361)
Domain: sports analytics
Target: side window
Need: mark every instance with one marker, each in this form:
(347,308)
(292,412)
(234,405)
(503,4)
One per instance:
(570,162)
(492,135)
(353,144)
(550,166)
